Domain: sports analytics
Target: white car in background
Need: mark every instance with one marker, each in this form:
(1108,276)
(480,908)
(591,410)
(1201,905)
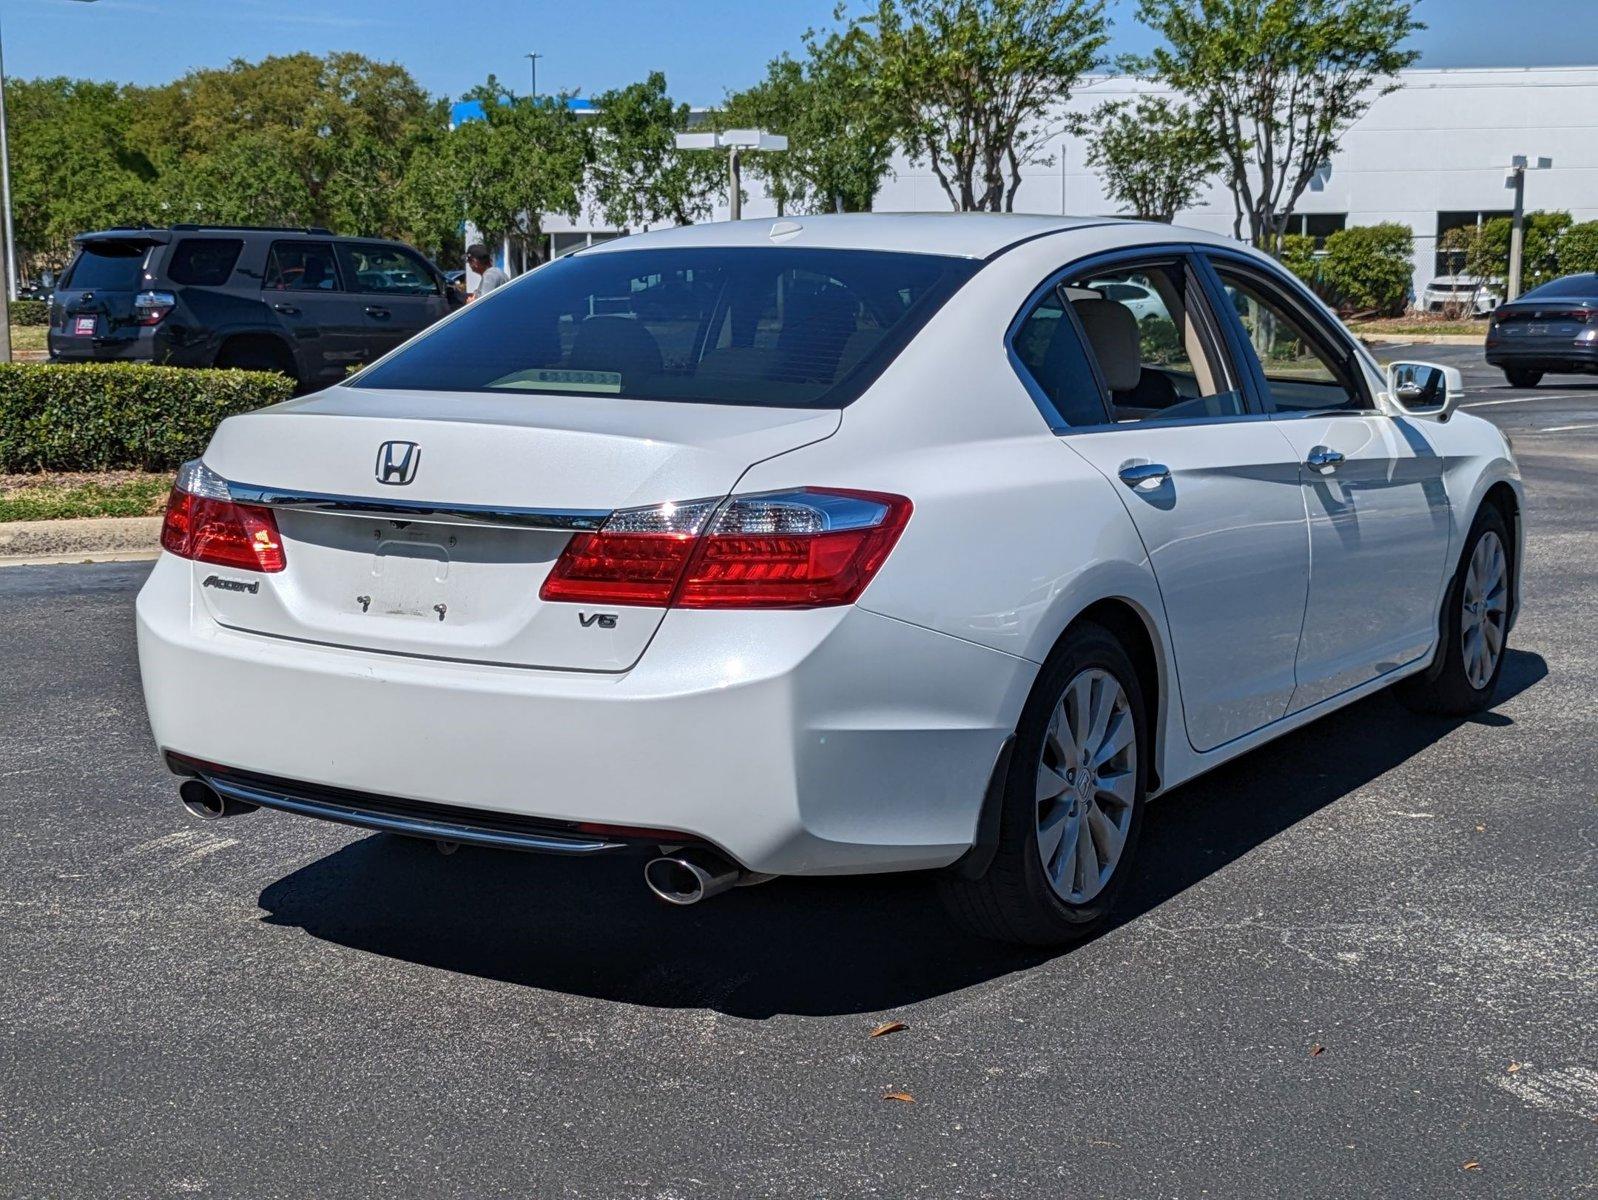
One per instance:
(843,544)
(1464,295)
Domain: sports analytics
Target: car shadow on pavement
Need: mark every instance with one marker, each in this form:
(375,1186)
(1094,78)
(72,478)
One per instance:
(803,946)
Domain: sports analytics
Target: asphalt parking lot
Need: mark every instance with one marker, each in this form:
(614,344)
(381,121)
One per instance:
(1360,962)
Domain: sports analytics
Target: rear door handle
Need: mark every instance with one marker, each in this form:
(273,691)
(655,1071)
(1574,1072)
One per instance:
(288,310)
(373,311)
(1323,460)
(1144,477)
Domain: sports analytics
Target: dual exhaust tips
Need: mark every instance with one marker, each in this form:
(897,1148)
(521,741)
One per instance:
(683,877)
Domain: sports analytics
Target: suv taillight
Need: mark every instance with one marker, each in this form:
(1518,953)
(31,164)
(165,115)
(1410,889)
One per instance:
(151,308)
(806,548)
(205,524)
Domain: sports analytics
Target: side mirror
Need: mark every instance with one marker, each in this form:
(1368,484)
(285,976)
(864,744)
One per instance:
(1424,389)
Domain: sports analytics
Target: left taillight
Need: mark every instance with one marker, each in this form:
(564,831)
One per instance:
(151,308)
(805,548)
(204,523)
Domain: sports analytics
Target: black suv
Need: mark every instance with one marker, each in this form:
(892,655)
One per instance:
(301,301)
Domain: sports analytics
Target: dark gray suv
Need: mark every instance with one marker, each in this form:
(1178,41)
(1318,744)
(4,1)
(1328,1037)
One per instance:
(304,302)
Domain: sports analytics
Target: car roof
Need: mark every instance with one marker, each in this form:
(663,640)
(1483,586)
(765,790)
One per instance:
(964,235)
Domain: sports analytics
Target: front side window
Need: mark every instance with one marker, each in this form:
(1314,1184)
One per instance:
(770,326)
(1150,333)
(386,269)
(300,267)
(1301,372)
(204,262)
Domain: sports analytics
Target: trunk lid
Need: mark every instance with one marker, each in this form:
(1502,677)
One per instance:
(445,566)
(94,308)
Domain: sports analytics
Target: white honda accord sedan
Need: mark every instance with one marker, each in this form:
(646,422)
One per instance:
(825,546)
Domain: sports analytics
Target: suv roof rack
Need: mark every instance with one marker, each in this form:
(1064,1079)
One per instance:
(317,229)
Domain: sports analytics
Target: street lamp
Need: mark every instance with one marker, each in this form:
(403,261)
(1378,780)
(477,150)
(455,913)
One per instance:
(532,62)
(1516,179)
(8,243)
(735,142)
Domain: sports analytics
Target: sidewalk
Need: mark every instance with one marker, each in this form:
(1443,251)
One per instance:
(95,539)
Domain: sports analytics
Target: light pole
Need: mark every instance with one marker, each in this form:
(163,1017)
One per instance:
(734,142)
(8,242)
(1518,166)
(532,62)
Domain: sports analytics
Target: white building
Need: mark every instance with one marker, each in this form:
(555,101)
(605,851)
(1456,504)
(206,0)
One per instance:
(1431,155)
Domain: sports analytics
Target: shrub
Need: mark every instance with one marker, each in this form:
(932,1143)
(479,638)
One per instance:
(1298,256)
(1578,249)
(1367,268)
(30,312)
(106,416)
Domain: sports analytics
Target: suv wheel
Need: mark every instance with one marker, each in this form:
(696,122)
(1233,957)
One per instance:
(1521,377)
(1072,802)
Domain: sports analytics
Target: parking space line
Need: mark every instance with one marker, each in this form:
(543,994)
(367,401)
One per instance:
(1568,428)
(1519,400)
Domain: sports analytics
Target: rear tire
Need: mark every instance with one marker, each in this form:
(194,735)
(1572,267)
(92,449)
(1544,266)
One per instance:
(1521,377)
(1474,626)
(1077,772)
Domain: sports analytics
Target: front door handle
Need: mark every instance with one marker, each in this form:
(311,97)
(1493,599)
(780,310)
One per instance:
(288,310)
(1144,477)
(1323,460)
(373,311)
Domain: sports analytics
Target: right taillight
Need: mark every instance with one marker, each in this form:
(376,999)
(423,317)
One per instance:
(151,308)
(205,524)
(805,548)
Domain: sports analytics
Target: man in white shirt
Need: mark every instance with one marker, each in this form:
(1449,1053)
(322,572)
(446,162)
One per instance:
(488,275)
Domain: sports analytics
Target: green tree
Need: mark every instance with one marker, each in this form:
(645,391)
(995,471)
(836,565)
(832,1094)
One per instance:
(1153,156)
(1578,249)
(840,138)
(527,157)
(1279,82)
(72,168)
(1483,250)
(638,176)
(975,87)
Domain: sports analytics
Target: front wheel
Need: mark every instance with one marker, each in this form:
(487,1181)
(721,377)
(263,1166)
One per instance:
(1522,378)
(1475,627)
(1072,804)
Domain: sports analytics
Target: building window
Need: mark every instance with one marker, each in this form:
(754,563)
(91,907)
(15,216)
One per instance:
(1319,226)
(1452,261)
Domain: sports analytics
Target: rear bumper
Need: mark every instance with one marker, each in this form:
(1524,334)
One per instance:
(824,742)
(154,345)
(1566,356)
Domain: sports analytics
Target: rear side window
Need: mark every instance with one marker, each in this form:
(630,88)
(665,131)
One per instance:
(1049,348)
(765,326)
(107,266)
(204,262)
(385,269)
(300,267)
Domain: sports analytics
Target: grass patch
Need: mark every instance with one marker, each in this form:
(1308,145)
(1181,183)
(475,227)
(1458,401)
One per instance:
(29,337)
(1421,327)
(54,497)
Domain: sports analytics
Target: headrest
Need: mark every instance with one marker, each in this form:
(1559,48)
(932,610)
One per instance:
(1113,336)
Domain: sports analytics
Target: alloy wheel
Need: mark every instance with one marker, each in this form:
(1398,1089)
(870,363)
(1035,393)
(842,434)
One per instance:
(1086,785)
(1485,610)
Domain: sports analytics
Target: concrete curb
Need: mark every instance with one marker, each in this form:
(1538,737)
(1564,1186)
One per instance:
(1423,339)
(93,539)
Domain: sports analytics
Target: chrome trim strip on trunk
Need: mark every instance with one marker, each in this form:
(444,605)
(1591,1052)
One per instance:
(570,520)
(413,826)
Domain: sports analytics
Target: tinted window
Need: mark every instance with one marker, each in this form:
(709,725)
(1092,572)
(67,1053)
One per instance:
(301,267)
(204,262)
(108,267)
(1300,371)
(720,325)
(385,269)
(1574,285)
(1049,348)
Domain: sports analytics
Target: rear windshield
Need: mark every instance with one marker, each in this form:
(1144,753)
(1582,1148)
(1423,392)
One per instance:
(765,326)
(1574,285)
(108,267)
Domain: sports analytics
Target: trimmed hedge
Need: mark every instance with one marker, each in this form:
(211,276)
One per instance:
(110,416)
(30,312)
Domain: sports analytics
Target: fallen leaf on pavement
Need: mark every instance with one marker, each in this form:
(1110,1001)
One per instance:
(1513,1067)
(888,1027)
(1317,1050)
(1472,1165)
(902,1097)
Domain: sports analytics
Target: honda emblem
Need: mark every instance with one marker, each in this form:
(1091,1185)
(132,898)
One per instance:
(397,462)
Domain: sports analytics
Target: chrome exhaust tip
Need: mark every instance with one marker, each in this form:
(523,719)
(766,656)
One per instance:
(690,875)
(205,802)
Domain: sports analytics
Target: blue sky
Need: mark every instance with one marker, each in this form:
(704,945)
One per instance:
(704,46)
